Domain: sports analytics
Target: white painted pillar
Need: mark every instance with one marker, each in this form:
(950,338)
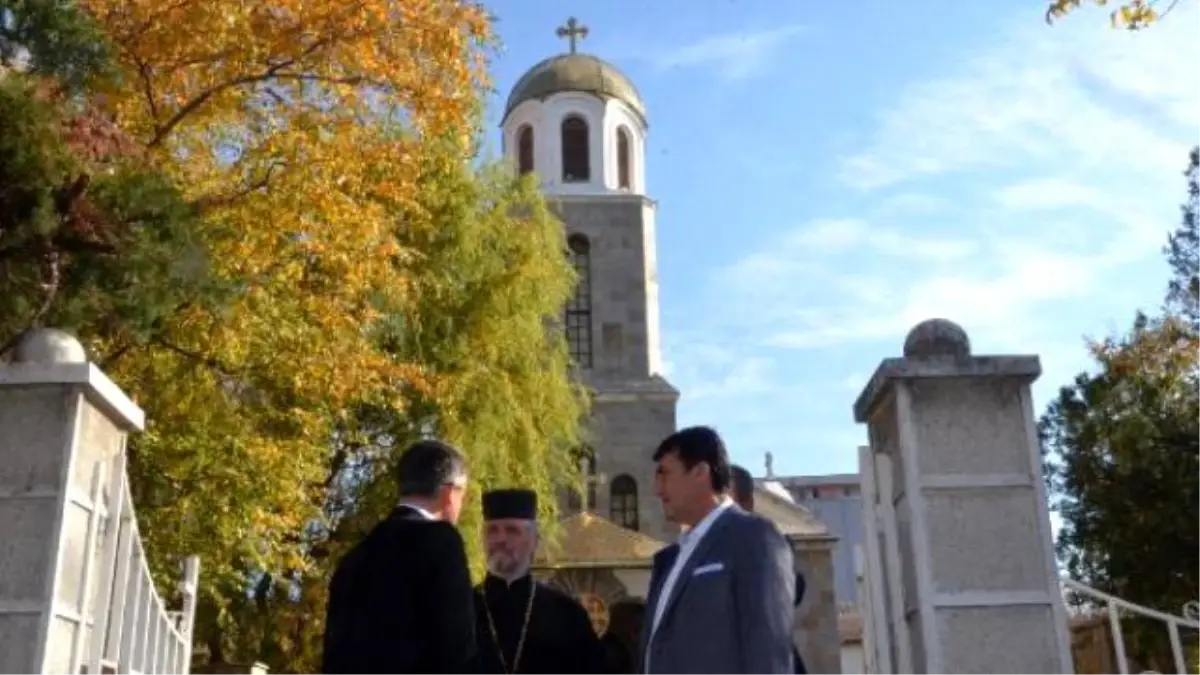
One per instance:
(62,423)
(975,570)
(879,638)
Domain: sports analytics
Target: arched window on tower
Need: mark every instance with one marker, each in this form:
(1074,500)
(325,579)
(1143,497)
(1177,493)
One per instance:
(579,306)
(585,459)
(623,169)
(576,161)
(525,149)
(623,502)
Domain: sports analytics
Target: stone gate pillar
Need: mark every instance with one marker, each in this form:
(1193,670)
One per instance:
(61,421)
(976,573)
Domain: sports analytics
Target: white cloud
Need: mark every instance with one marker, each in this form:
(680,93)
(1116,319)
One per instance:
(1041,95)
(1048,193)
(1045,184)
(907,204)
(715,371)
(733,56)
(1023,192)
(809,248)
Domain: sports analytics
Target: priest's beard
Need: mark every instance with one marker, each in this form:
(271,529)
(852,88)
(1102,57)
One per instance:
(508,567)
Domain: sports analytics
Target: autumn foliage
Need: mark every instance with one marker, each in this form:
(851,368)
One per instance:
(1131,15)
(262,218)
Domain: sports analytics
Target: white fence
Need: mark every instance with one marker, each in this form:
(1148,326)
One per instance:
(76,594)
(1116,608)
(131,630)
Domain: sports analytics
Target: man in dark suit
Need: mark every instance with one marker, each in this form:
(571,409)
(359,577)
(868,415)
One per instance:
(401,600)
(721,598)
(743,494)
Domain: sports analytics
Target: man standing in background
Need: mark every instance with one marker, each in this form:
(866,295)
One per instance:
(743,495)
(400,601)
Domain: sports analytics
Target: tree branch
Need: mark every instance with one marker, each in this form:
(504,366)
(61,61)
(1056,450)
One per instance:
(144,73)
(210,202)
(162,131)
(194,356)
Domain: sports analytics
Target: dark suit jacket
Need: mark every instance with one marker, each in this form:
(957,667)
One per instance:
(661,566)
(801,585)
(731,609)
(401,601)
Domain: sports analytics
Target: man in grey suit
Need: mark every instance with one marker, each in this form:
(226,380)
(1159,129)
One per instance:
(720,598)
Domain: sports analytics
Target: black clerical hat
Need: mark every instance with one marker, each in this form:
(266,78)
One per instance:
(512,503)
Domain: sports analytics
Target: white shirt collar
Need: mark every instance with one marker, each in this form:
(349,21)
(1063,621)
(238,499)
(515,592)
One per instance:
(695,534)
(423,513)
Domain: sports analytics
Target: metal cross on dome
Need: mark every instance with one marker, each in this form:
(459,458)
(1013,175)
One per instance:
(572,31)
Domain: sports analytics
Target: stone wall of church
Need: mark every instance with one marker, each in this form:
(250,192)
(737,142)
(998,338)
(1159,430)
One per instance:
(817,617)
(624,298)
(633,408)
(625,430)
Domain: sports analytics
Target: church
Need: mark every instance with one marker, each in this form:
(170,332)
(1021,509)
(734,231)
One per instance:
(580,125)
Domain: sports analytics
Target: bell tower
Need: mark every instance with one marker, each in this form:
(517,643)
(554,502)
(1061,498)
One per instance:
(579,124)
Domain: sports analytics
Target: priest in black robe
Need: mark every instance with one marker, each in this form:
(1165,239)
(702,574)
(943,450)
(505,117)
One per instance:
(523,626)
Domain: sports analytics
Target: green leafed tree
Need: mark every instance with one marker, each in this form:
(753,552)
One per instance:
(1121,446)
(1123,467)
(56,39)
(487,286)
(92,239)
(1183,252)
(287,336)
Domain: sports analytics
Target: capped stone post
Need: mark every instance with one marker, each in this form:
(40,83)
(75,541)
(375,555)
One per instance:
(62,424)
(969,578)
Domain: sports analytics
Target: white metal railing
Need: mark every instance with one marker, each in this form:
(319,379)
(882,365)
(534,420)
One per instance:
(131,630)
(1114,607)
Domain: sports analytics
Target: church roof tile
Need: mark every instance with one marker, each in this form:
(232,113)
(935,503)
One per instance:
(588,540)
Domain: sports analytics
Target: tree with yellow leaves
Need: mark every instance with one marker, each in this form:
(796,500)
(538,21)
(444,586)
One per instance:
(365,284)
(277,119)
(490,277)
(1132,15)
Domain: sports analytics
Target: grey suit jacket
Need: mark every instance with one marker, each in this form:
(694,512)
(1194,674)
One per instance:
(730,610)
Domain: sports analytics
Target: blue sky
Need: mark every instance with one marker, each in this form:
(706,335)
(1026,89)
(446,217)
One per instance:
(829,174)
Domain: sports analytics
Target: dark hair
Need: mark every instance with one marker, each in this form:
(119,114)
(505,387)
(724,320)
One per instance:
(743,485)
(428,465)
(699,444)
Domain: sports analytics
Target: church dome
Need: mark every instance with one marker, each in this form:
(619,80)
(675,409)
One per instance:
(575,72)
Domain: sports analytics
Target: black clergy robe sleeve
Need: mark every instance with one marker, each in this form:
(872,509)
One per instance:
(591,657)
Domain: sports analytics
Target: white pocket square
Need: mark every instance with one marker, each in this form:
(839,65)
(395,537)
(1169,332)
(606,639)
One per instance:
(708,569)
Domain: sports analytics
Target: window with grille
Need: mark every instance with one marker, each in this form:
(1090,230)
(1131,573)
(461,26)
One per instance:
(578,319)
